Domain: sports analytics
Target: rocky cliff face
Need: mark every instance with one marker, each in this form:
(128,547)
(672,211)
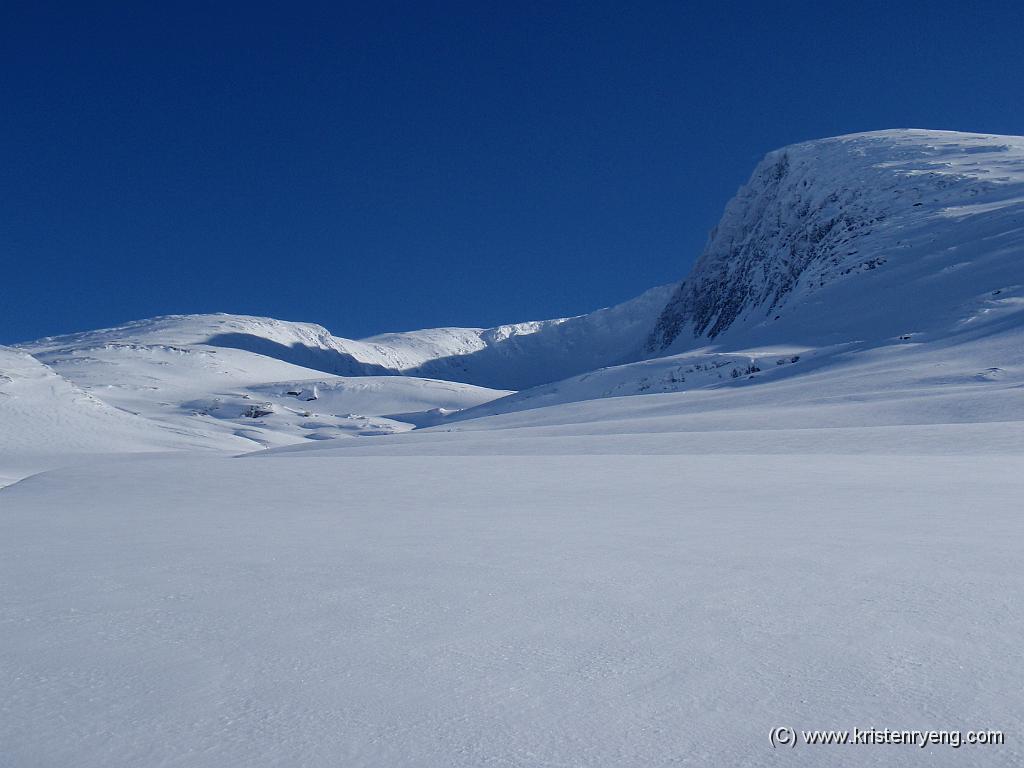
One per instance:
(821,212)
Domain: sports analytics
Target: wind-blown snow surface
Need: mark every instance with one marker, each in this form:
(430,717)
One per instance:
(649,558)
(325,607)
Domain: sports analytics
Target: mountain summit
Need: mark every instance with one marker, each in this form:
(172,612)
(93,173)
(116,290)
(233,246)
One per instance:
(857,235)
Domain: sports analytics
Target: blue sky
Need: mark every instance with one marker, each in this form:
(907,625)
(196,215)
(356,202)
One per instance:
(387,166)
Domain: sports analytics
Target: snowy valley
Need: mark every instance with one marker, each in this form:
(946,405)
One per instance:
(641,536)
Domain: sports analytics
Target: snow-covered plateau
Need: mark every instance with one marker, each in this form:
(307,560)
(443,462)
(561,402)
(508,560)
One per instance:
(780,493)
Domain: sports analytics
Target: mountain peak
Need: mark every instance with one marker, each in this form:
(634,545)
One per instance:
(819,213)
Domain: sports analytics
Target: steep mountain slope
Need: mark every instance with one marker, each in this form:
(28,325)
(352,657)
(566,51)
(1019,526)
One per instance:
(896,252)
(863,236)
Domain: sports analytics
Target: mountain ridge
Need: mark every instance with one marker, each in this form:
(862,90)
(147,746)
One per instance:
(516,355)
(842,255)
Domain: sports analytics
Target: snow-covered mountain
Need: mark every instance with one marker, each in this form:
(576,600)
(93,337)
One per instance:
(849,265)
(250,382)
(808,451)
(513,356)
(162,372)
(522,355)
(865,236)
(895,252)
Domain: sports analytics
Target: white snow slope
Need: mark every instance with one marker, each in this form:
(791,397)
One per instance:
(47,420)
(506,357)
(895,253)
(162,369)
(653,563)
(228,376)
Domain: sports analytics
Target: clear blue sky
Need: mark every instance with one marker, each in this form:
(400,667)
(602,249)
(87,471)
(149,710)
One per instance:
(385,166)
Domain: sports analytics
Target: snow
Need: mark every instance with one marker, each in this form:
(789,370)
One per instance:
(642,536)
(858,255)
(162,372)
(506,357)
(46,420)
(926,223)
(510,609)
(976,372)
(528,354)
